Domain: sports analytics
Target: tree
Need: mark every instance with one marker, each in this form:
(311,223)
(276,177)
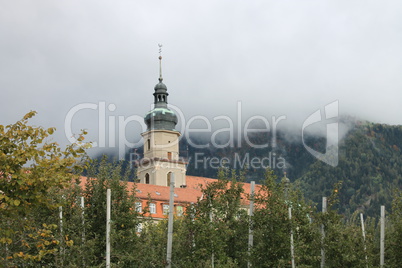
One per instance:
(272,226)
(103,175)
(216,227)
(393,251)
(33,172)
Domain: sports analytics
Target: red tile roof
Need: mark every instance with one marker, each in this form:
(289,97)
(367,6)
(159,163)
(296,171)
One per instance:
(190,194)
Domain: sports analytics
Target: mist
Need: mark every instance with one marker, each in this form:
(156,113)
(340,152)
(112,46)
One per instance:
(278,59)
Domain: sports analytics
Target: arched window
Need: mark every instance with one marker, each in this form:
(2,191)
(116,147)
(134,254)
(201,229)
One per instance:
(147,178)
(168,179)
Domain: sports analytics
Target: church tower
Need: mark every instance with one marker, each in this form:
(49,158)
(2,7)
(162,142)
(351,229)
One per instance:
(161,142)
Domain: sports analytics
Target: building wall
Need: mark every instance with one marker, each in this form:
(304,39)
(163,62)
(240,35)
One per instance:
(162,144)
(161,208)
(161,158)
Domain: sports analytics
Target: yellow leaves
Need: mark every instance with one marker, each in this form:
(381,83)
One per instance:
(29,115)
(17,203)
(5,240)
(25,244)
(70,243)
(51,130)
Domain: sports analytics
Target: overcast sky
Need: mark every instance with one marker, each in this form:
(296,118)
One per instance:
(275,57)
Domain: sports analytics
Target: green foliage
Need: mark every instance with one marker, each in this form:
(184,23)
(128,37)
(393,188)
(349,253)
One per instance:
(394,232)
(37,177)
(33,173)
(272,226)
(216,227)
(103,175)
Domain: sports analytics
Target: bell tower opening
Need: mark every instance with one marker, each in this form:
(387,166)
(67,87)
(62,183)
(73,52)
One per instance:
(169,178)
(148,144)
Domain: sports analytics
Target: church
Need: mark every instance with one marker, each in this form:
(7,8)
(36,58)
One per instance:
(161,161)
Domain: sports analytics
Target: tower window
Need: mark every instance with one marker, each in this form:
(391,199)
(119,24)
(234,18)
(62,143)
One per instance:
(168,179)
(147,178)
(148,144)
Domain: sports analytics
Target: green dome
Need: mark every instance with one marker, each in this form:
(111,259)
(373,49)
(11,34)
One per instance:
(161,118)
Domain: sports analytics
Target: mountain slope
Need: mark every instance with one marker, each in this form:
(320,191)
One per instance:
(370,164)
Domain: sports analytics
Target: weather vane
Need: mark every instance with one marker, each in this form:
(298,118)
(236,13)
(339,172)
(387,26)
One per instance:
(160,50)
(160,62)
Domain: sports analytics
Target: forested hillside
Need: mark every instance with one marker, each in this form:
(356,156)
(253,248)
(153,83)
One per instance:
(370,168)
(370,164)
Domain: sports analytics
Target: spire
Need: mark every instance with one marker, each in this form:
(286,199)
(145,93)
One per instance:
(160,63)
(160,95)
(161,117)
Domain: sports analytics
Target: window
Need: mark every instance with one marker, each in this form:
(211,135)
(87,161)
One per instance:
(179,210)
(138,207)
(152,208)
(165,208)
(168,179)
(148,144)
(147,178)
(139,228)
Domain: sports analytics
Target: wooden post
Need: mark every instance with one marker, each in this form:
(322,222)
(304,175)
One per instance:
(382,236)
(82,219)
(364,238)
(292,247)
(324,210)
(83,228)
(170,223)
(250,229)
(61,233)
(61,220)
(212,245)
(108,202)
